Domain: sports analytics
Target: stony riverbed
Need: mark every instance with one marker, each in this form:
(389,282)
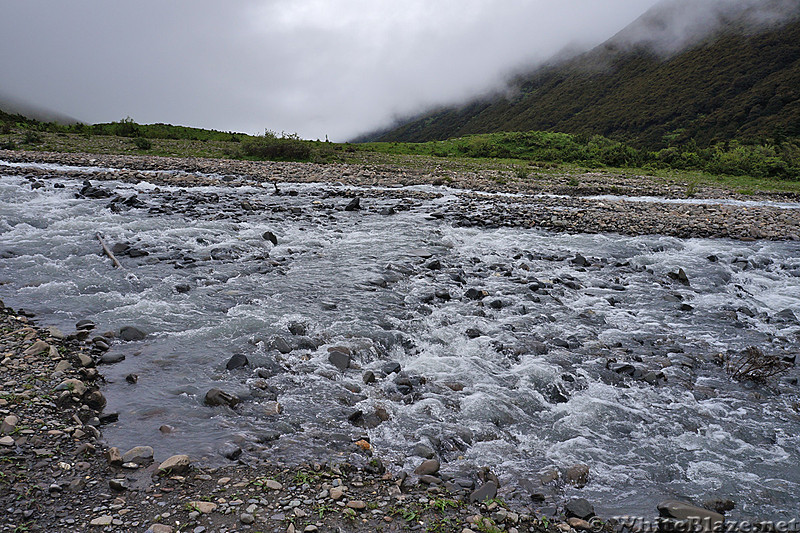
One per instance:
(535,330)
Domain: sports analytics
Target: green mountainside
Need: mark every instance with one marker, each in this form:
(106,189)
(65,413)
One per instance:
(740,82)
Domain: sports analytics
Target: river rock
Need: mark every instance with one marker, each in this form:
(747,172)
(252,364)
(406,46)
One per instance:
(298,328)
(6,441)
(391,367)
(238,360)
(140,455)
(709,520)
(280,344)
(230,451)
(424,451)
(36,348)
(487,491)
(95,400)
(428,467)
(182,288)
(85,324)
(577,475)
(339,359)
(177,464)
(579,508)
(75,386)
(353,205)
(271,237)
(679,276)
(217,396)
(131,333)
(113,456)
(111,358)
(9,424)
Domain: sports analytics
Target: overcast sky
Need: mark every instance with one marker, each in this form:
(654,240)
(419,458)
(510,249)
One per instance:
(314,67)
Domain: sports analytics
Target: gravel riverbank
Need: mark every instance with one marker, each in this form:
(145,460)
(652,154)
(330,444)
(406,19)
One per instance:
(591,203)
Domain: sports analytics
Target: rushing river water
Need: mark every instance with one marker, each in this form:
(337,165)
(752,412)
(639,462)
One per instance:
(609,362)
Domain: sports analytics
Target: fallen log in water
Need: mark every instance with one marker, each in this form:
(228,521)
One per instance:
(107,250)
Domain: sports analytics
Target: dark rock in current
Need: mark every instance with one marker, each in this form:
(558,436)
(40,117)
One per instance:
(487,491)
(354,205)
(339,359)
(424,451)
(719,505)
(496,304)
(625,369)
(475,294)
(579,508)
(269,236)
(131,333)
(108,418)
(679,276)
(238,360)
(368,377)
(215,397)
(473,333)
(391,367)
(434,265)
(298,328)
(556,393)
(132,378)
(442,294)
(230,451)
(182,288)
(85,324)
(387,211)
(580,261)
(280,344)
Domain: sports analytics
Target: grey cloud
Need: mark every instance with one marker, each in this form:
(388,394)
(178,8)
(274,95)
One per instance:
(315,67)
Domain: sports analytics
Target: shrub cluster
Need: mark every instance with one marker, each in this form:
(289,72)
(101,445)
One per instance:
(277,148)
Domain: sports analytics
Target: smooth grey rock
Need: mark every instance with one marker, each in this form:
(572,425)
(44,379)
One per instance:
(111,358)
(430,466)
(177,464)
(140,455)
(677,510)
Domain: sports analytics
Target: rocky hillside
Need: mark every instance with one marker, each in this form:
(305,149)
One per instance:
(723,75)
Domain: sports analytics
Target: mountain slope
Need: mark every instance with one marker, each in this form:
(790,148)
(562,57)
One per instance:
(741,81)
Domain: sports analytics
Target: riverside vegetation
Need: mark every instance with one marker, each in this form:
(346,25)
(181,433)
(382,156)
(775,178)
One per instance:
(745,166)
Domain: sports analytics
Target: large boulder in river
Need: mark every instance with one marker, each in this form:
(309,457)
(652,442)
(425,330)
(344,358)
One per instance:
(692,515)
(238,360)
(131,333)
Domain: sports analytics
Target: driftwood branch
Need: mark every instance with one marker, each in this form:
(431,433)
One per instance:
(107,250)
